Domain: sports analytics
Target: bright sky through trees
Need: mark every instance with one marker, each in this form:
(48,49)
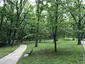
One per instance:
(33,1)
(1,3)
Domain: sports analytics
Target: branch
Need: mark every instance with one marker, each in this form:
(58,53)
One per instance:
(73,16)
(82,18)
(23,18)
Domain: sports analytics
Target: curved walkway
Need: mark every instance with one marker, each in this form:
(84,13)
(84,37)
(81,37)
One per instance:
(13,57)
(83,43)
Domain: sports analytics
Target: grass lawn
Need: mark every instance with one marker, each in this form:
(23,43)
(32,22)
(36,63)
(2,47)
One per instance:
(68,52)
(6,50)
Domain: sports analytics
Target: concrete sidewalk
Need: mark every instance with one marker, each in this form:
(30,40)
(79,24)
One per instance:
(13,57)
(83,43)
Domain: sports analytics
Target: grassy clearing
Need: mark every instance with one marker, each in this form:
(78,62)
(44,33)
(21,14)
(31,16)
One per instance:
(6,50)
(68,53)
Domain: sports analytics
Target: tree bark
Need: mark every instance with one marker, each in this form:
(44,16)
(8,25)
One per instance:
(55,35)
(9,37)
(82,36)
(79,24)
(37,37)
(54,40)
(13,37)
(79,33)
(37,27)
(79,38)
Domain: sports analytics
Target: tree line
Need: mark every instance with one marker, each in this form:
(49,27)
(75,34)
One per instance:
(48,19)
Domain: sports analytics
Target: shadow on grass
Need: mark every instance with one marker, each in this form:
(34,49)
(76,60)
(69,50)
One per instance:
(48,56)
(68,53)
(51,53)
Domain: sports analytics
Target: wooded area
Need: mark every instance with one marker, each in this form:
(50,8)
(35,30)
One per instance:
(20,20)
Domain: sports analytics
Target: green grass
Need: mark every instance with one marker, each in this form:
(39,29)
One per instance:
(6,50)
(68,52)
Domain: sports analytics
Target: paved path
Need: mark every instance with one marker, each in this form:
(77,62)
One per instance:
(83,43)
(13,57)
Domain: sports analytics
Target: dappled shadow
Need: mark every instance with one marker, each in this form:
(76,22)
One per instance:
(49,52)
(49,56)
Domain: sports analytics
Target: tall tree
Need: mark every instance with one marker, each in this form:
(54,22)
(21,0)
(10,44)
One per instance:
(78,15)
(53,11)
(55,28)
(38,14)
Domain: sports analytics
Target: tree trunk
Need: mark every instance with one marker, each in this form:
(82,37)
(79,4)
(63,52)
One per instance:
(79,32)
(37,34)
(79,25)
(9,37)
(55,35)
(37,27)
(54,40)
(1,22)
(13,37)
(79,38)
(82,36)
(36,43)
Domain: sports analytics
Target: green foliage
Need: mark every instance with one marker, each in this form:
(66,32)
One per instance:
(13,15)
(20,18)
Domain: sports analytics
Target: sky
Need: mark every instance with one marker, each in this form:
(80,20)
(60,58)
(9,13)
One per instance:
(83,1)
(32,2)
(1,3)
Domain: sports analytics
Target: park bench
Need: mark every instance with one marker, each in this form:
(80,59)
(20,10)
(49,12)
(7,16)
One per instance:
(29,53)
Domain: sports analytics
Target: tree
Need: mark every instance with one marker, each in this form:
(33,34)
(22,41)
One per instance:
(78,16)
(38,14)
(53,11)
(14,13)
